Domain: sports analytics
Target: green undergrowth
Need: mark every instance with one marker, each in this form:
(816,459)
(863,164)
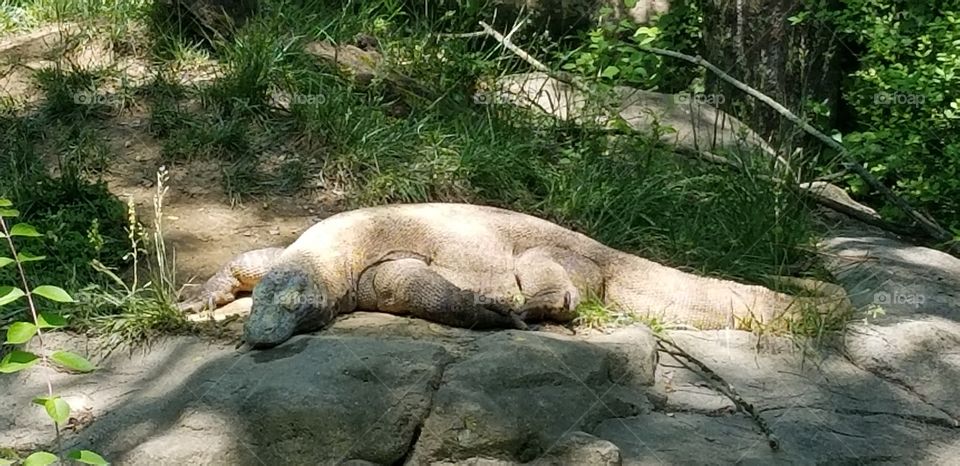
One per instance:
(51,162)
(81,219)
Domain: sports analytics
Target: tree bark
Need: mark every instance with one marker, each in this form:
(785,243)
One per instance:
(754,41)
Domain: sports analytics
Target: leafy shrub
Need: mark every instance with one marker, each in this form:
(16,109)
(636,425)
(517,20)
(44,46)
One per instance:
(20,333)
(905,98)
(610,52)
(82,222)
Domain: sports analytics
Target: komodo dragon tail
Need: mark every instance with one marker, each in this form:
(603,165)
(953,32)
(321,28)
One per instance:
(652,290)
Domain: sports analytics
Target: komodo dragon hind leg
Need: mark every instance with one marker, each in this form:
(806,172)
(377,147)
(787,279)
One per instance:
(554,282)
(410,286)
(238,275)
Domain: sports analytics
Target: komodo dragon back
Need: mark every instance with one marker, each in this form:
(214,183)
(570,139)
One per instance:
(238,275)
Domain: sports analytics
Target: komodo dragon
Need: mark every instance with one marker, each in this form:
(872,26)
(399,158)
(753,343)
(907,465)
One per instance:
(476,267)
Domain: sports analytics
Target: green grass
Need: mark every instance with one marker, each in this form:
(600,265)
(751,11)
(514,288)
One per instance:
(627,192)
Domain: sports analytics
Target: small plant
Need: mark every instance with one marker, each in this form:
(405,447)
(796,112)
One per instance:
(593,313)
(136,312)
(611,52)
(20,333)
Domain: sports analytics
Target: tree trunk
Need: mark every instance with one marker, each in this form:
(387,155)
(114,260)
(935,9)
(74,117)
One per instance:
(796,65)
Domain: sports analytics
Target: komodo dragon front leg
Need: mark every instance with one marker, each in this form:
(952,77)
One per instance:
(239,275)
(554,281)
(410,286)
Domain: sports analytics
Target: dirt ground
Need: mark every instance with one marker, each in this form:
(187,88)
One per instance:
(201,223)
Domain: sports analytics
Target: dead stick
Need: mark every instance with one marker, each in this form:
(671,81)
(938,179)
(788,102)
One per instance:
(722,386)
(509,45)
(829,203)
(536,64)
(929,225)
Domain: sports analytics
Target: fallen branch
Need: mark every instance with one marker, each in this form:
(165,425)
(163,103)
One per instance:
(703,155)
(536,64)
(720,385)
(929,225)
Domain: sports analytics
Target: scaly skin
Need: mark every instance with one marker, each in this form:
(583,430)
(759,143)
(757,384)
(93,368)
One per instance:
(483,267)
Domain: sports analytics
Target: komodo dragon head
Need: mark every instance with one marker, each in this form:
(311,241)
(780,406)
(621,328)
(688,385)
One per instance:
(286,301)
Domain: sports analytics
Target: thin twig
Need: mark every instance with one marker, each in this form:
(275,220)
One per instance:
(929,225)
(536,64)
(464,35)
(721,385)
(509,45)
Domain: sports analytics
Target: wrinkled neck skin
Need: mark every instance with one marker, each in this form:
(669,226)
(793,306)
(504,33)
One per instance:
(340,300)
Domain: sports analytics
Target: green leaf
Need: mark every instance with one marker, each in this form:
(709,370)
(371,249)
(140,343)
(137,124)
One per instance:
(611,71)
(9,294)
(9,213)
(57,409)
(27,257)
(51,320)
(88,457)
(20,332)
(72,361)
(5,202)
(40,458)
(16,361)
(53,293)
(5,261)
(24,229)
(41,400)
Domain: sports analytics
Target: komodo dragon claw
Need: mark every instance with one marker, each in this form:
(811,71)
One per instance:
(515,317)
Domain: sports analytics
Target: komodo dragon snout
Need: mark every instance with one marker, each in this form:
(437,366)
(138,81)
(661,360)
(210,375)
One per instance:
(286,301)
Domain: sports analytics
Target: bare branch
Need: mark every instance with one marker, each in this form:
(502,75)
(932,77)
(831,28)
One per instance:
(929,225)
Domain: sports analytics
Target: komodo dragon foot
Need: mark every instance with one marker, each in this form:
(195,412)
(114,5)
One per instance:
(239,275)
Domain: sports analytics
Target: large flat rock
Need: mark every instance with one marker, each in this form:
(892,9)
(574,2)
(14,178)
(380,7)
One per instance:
(520,393)
(822,407)
(909,330)
(370,388)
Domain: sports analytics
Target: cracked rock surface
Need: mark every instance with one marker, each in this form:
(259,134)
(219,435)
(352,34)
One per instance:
(381,389)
